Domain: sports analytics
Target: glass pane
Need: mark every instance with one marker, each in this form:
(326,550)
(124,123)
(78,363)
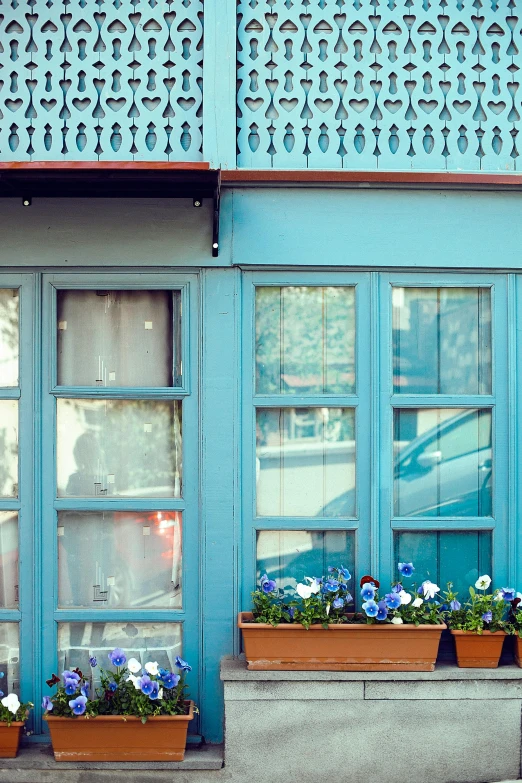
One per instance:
(305,462)
(442,340)
(305,340)
(442,556)
(8,560)
(442,462)
(119,448)
(119,559)
(289,555)
(8,448)
(9,336)
(159,642)
(10,658)
(119,338)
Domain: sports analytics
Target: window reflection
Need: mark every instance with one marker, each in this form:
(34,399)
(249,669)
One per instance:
(9,336)
(305,340)
(8,560)
(441,340)
(305,458)
(443,462)
(119,559)
(10,657)
(8,448)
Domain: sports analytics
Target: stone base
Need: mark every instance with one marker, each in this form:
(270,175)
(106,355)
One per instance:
(448,726)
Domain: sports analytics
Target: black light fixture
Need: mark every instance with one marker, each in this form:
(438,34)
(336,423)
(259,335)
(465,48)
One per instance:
(27,201)
(197,202)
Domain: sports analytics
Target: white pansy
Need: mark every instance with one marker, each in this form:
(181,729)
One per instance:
(12,703)
(327,609)
(134,680)
(133,665)
(519,595)
(397,621)
(305,591)
(483,582)
(418,602)
(314,584)
(160,693)
(430,589)
(498,596)
(405,597)
(152,667)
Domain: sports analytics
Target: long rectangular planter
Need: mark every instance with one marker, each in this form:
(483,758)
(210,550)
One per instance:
(377,648)
(10,739)
(478,651)
(518,650)
(120,738)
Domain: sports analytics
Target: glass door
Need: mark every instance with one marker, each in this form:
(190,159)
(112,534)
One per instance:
(120,527)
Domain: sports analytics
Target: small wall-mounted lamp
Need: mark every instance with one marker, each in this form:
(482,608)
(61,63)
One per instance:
(26,202)
(197,202)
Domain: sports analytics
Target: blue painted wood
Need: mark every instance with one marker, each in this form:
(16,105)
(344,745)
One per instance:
(102,81)
(421,86)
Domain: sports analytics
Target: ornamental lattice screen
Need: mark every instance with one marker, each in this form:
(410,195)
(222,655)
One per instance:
(101,79)
(388,84)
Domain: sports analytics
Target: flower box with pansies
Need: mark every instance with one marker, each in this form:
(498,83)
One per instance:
(13,715)
(135,714)
(315,630)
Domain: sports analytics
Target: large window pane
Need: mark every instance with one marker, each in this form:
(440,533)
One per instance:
(120,559)
(119,448)
(442,462)
(442,340)
(159,642)
(305,462)
(8,448)
(305,340)
(10,657)
(8,560)
(119,338)
(289,555)
(9,336)
(456,556)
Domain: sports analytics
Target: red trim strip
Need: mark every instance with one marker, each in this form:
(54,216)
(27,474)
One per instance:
(383,177)
(74,165)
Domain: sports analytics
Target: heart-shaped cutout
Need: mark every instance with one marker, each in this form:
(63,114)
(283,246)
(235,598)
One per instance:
(186,103)
(81,103)
(461,106)
(359,106)
(288,103)
(116,103)
(496,108)
(323,105)
(151,103)
(48,105)
(393,106)
(254,103)
(428,106)
(13,105)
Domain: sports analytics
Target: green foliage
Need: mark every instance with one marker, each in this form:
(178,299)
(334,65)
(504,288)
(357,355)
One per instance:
(22,713)
(481,612)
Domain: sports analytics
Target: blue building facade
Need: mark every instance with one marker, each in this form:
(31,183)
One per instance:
(260,311)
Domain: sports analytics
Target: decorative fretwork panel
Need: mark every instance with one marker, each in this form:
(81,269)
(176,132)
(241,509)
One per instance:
(101,79)
(388,84)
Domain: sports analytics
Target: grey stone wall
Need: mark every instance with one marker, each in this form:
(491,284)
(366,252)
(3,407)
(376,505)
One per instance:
(448,726)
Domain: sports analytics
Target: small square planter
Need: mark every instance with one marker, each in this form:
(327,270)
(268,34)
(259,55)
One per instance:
(120,738)
(10,739)
(478,651)
(378,648)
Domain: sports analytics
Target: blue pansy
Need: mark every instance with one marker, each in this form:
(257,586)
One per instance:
(93,661)
(406,569)
(331,569)
(291,612)
(67,675)
(267,585)
(1,694)
(370,608)
(392,600)
(348,598)
(117,657)
(368,591)
(508,593)
(77,705)
(146,684)
(338,603)
(112,686)
(2,674)
(170,680)
(345,573)
(331,586)
(397,588)
(455,605)
(154,694)
(382,611)
(71,686)
(47,704)
(183,665)
(84,690)
(487,617)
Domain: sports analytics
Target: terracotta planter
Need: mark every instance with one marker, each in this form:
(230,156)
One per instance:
(119,738)
(518,650)
(374,648)
(10,739)
(478,651)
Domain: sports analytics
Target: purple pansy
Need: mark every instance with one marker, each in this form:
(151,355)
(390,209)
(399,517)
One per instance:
(117,657)
(77,705)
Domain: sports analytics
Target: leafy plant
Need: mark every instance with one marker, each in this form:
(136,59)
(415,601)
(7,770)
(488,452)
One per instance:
(127,690)
(11,708)
(482,611)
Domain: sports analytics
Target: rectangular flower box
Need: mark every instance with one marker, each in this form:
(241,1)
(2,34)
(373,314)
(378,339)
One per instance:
(10,739)
(518,650)
(120,737)
(478,651)
(358,647)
